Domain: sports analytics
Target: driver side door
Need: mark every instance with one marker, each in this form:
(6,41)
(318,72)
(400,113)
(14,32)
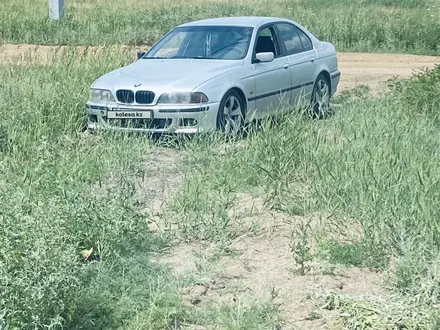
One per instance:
(272,79)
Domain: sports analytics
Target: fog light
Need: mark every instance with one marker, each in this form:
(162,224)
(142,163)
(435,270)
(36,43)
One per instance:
(93,118)
(187,122)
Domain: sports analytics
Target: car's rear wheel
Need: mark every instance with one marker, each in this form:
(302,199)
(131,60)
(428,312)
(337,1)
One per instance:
(230,117)
(321,97)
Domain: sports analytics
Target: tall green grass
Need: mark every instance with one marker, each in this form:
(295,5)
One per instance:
(56,200)
(368,25)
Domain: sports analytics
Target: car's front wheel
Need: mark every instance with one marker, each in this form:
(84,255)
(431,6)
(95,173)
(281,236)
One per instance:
(321,97)
(230,117)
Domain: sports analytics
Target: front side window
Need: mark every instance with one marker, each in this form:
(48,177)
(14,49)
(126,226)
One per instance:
(266,42)
(204,42)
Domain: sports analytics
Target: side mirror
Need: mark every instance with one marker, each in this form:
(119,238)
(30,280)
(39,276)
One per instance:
(140,54)
(265,57)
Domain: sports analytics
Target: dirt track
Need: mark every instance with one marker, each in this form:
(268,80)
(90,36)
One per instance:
(356,68)
(375,69)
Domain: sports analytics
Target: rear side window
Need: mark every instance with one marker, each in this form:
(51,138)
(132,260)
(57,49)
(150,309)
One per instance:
(294,40)
(306,42)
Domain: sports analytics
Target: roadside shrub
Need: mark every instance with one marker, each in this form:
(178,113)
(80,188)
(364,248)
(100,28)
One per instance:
(421,93)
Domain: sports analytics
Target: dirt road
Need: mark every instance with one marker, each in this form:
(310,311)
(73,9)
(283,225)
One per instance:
(375,69)
(356,68)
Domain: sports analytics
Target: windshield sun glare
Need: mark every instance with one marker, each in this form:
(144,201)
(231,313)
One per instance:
(204,42)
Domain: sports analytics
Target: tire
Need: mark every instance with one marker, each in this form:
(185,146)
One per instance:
(231,114)
(321,97)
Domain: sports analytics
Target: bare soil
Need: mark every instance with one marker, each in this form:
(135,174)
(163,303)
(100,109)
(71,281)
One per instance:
(157,184)
(374,70)
(368,69)
(260,265)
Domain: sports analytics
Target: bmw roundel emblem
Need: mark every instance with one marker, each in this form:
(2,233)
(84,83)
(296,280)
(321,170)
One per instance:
(137,85)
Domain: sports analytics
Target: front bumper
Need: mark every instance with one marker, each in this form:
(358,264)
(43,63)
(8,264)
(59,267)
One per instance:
(187,119)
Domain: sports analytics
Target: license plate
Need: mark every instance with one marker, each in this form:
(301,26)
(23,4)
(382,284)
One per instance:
(129,114)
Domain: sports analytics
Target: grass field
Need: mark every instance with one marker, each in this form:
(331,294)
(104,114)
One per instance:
(302,224)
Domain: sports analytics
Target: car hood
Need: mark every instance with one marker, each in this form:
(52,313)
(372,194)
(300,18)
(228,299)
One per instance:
(165,75)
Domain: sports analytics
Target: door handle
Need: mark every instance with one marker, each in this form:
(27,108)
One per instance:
(313,60)
(286,66)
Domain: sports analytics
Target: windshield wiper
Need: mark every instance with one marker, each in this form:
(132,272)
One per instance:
(227,46)
(196,57)
(189,57)
(175,57)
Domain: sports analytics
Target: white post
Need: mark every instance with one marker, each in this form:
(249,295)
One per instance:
(56,9)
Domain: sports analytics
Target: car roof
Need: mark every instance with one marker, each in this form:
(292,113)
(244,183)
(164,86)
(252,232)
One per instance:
(249,21)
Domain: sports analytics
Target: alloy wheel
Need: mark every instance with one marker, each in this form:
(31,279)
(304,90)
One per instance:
(233,115)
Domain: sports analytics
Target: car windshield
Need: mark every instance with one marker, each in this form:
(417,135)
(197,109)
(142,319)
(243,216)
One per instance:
(203,42)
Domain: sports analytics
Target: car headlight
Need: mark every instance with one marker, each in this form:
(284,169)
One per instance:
(185,98)
(102,95)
